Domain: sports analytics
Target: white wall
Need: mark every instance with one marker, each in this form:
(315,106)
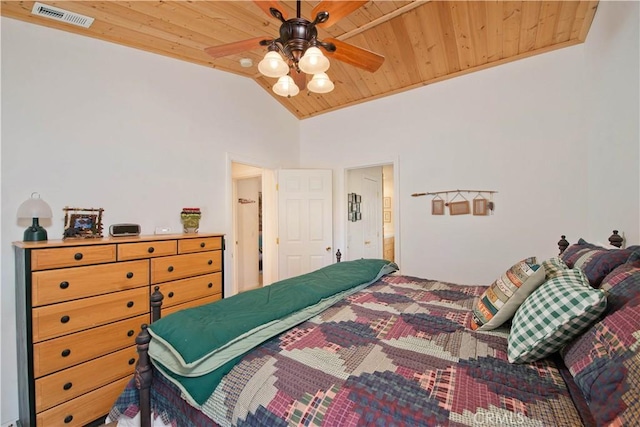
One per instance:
(546,132)
(92,124)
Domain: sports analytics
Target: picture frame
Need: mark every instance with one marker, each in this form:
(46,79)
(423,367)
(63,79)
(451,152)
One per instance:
(480,206)
(387,216)
(358,216)
(352,216)
(437,207)
(459,208)
(358,198)
(82,223)
(351,197)
(386,202)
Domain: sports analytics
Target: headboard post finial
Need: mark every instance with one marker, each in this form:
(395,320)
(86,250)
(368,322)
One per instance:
(615,239)
(563,243)
(156,302)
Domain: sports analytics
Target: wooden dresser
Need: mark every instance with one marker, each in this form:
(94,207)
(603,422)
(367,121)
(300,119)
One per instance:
(79,307)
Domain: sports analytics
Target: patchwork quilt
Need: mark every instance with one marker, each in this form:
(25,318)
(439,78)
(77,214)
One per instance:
(398,352)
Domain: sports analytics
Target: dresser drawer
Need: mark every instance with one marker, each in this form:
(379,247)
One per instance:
(42,259)
(84,409)
(73,382)
(63,352)
(180,291)
(128,251)
(72,283)
(186,246)
(193,303)
(58,319)
(181,266)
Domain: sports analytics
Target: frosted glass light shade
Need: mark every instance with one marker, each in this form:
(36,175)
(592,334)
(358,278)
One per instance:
(320,83)
(272,65)
(286,87)
(34,207)
(313,61)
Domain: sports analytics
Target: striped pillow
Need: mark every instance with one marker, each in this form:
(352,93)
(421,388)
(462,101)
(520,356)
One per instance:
(553,315)
(501,300)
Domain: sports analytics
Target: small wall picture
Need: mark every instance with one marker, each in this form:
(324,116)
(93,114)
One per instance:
(480,206)
(387,216)
(459,208)
(437,207)
(386,202)
(82,223)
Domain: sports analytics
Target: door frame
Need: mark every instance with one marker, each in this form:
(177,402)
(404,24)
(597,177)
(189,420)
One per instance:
(269,249)
(341,202)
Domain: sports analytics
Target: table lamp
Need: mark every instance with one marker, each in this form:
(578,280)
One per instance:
(35,208)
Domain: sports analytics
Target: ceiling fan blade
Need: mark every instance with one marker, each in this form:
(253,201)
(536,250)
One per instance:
(266,5)
(299,78)
(235,47)
(356,56)
(337,10)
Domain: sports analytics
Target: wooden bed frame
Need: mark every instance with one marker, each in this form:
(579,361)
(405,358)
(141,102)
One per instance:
(143,374)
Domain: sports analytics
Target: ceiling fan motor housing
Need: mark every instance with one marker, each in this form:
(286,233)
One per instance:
(296,35)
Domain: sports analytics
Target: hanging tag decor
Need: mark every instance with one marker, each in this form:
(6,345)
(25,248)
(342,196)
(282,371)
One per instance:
(437,206)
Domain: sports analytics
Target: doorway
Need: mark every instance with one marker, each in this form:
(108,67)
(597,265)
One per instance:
(372,234)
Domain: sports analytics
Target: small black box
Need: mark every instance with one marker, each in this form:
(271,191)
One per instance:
(120,230)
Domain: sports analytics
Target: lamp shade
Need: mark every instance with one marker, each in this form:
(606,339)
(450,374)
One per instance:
(286,87)
(313,61)
(272,65)
(34,207)
(320,83)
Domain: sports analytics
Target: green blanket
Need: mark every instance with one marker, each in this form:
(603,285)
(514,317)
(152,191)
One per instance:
(195,347)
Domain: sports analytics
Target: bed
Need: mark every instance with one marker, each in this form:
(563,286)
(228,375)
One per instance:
(552,342)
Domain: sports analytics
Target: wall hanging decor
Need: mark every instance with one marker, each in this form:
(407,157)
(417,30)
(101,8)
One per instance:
(81,223)
(482,205)
(353,207)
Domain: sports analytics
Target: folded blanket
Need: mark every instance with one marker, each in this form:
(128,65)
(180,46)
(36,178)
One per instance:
(195,347)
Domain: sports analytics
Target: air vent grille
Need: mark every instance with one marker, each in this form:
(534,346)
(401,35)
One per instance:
(62,15)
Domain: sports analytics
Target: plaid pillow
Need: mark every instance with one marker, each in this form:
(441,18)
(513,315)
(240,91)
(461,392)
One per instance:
(605,360)
(498,303)
(595,261)
(553,315)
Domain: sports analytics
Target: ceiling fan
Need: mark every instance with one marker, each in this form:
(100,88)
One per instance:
(299,44)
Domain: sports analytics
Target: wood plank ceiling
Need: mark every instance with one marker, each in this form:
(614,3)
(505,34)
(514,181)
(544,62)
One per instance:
(422,41)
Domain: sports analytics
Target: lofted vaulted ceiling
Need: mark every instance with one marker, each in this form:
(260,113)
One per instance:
(422,41)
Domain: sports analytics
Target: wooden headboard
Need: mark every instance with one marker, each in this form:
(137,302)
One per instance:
(614,240)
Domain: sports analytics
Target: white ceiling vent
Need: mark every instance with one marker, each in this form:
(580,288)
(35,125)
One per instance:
(61,15)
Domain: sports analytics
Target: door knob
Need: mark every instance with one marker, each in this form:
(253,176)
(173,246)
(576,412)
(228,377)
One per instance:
(328,248)
(367,242)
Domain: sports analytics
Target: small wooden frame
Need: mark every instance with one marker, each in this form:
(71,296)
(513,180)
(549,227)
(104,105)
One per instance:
(387,216)
(459,208)
(81,223)
(437,207)
(480,206)
(386,202)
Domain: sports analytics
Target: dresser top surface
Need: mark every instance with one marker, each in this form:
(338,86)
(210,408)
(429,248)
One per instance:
(111,240)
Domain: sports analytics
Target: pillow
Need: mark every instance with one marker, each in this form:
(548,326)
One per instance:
(605,360)
(501,300)
(553,266)
(554,314)
(595,261)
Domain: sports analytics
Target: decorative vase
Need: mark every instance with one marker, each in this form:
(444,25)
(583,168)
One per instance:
(190,219)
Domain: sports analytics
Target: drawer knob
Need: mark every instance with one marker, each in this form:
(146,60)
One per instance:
(67,386)
(170,295)
(151,249)
(210,262)
(170,269)
(210,285)
(132,361)
(202,245)
(130,333)
(78,256)
(64,319)
(129,275)
(130,304)
(66,352)
(64,285)
(68,419)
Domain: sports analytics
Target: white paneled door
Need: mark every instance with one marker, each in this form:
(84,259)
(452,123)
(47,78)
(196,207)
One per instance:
(305,227)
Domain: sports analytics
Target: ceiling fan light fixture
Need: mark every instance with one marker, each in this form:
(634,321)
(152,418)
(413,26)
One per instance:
(313,61)
(272,65)
(286,87)
(320,83)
